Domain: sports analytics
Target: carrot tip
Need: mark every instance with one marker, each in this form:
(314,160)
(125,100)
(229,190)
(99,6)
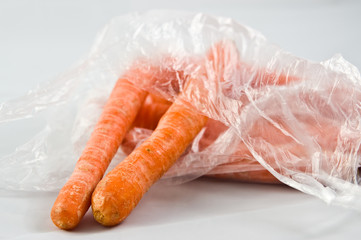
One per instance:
(99,217)
(105,211)
(106,220)
(64,219)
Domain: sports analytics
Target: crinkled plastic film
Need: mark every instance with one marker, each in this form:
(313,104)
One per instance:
(268,109)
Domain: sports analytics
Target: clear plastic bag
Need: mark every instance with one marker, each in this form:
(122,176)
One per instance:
(298,119)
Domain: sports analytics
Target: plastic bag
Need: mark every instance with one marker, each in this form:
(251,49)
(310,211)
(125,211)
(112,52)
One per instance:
(298,119)
(231,164)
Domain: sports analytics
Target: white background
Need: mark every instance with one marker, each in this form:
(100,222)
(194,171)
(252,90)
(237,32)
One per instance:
(41,39)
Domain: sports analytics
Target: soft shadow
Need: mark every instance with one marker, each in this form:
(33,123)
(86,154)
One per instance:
(89,225)
(204,198)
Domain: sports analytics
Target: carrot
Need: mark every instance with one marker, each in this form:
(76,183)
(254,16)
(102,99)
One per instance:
(256,176)
(119,112)
(254,77)
(119,192)
(285,151)
(147,120)
(151,111)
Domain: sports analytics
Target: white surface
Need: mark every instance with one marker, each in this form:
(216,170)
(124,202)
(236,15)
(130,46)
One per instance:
(202,209)
(40,39)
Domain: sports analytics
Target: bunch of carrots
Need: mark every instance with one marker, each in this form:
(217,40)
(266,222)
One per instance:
(175,125)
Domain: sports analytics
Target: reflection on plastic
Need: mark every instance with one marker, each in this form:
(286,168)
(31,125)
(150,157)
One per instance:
(298,119)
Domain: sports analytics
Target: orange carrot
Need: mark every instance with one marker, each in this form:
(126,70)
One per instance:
(256,176)
(119,112)
(151,111)
(241,166)
(119,192)
(147,120)
(254,77)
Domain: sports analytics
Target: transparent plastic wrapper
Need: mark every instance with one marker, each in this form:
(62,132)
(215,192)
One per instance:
(267,109)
